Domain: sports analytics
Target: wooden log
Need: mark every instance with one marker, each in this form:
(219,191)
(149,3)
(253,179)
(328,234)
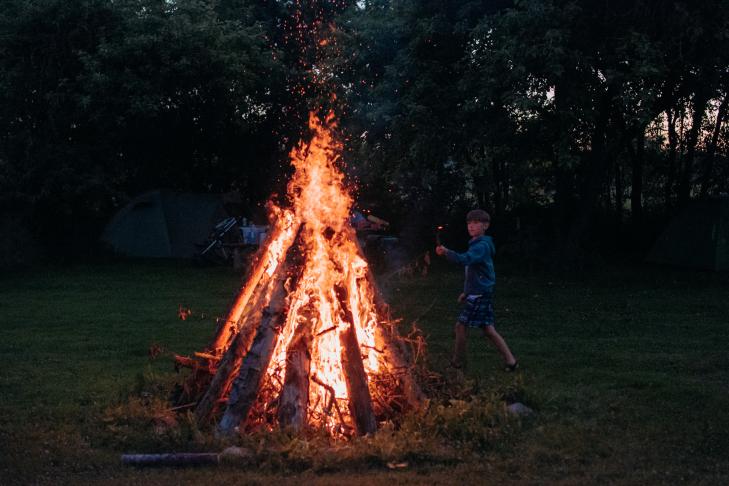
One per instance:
(245,388)
(360,402)
(171,459)
(230,364)
(294,399)
(268,254)
(388,340)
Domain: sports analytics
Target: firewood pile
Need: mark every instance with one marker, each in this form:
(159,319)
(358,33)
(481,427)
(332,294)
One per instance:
(308,343)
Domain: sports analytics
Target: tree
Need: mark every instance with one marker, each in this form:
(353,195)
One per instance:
(107,99)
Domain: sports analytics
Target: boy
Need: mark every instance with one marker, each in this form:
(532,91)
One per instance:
(478,289)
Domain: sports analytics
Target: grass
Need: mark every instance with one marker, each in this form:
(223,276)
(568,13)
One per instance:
(627,370)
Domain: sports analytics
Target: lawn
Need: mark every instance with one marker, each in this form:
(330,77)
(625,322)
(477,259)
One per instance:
(627,370)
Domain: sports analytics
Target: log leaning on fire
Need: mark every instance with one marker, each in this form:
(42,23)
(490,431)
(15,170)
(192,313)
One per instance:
(226,371)
(360,401)
(229,365)
(232,325)
(246,385)
(390,342)
(245,388)
(294,400)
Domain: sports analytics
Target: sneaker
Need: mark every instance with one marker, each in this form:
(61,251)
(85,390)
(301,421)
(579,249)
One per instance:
(510,368)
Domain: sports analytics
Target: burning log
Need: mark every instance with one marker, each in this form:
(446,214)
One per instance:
(307,335)
(360,402)
(245,387)
(267,263)
(387,340)
(294,400)
(230,364)
(227,369)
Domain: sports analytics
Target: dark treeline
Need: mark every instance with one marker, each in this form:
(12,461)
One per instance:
(581,125)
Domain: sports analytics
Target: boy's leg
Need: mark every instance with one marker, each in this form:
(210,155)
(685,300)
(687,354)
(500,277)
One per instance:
(495,337)
(459,351)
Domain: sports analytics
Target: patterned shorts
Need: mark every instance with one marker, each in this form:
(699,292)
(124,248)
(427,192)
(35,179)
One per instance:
(477,311)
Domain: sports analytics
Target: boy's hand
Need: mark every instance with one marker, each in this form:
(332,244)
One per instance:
(461,298)
(440,250)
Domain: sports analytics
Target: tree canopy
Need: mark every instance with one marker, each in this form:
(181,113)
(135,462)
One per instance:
(552,114)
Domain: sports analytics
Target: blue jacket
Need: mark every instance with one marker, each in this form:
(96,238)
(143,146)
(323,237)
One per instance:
(479,262)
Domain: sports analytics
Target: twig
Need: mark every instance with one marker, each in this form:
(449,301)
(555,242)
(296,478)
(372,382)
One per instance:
(180,407)
(329,329)
(328,388)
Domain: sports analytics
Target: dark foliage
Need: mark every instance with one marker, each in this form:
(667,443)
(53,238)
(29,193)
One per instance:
(580,125)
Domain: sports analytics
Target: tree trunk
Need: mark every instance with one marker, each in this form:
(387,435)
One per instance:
(636,188)
(562,170)
(672,157)
(711,149)
(595,168)
(684,187)
(618,193)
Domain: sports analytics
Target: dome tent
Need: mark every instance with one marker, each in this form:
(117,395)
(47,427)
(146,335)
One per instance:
(697,237)
(163,224)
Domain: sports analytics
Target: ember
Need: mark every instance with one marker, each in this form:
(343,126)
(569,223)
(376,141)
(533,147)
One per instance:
(305,344)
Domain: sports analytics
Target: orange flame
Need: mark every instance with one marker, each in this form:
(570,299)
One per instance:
(322,205)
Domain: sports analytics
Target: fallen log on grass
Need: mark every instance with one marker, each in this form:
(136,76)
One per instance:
(171,459)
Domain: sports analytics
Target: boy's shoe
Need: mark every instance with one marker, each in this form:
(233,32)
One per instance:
(512,367)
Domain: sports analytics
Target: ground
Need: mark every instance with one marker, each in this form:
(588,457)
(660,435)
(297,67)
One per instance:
(626,369)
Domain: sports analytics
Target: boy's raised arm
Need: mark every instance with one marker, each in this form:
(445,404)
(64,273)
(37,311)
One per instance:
(474,254)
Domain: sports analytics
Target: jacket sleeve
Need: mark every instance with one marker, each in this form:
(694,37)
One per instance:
(474,254)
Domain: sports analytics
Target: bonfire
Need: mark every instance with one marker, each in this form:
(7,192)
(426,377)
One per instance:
(308,343)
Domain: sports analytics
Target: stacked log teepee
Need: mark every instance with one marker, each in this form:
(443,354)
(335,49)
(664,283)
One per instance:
(307,342)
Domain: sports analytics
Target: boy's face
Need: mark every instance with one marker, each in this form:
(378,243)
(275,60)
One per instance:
(477,228)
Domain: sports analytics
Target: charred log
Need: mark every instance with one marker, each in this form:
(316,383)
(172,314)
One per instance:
(387,340)
(294,400)
(230,326)
(229,366)
(245,388)
(360,401)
